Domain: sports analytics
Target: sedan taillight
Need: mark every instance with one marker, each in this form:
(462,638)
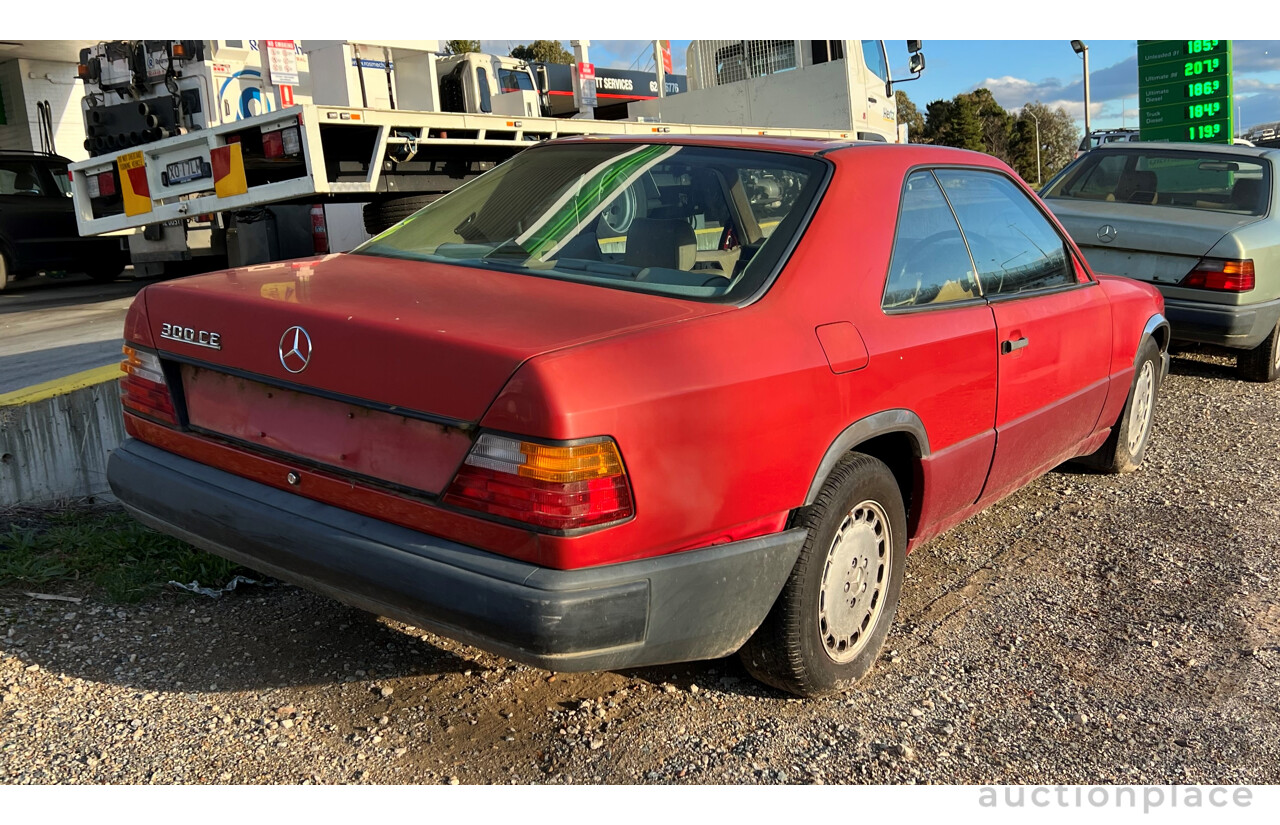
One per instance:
(143,387)
(552,486)
(1221,274)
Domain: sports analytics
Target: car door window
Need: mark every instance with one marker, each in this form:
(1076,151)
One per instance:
(21,178)
(1014,246)
(930,264)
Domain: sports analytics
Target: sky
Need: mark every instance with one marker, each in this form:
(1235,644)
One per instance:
(1019,72)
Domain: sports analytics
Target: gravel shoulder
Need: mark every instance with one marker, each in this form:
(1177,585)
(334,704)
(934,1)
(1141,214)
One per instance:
(1089,629)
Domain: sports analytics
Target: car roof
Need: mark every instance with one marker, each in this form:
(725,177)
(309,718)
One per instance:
(771,143)
(800,146)
(1197,148)
(27,154)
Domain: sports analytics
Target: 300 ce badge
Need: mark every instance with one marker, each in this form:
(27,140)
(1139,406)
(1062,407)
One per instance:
(189,335)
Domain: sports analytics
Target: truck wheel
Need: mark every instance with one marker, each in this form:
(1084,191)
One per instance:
(4,272)
(1127,444)
(1262,363)
(380,216)
(830,621)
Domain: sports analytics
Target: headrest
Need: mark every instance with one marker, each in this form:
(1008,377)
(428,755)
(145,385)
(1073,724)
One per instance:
(671,244)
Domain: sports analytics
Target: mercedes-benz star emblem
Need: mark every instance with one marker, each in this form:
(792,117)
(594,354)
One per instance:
(1107,233)
(295,349)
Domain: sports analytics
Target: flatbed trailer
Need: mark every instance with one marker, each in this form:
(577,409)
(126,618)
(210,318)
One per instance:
(316,153)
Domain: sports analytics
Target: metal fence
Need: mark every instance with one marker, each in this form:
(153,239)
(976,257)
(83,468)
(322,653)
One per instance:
(716,62)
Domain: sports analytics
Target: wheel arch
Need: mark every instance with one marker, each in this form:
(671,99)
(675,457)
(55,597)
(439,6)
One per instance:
(896,437)
(1158,330)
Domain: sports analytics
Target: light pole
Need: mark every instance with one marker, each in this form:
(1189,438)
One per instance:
(1037,120)
(1083,50)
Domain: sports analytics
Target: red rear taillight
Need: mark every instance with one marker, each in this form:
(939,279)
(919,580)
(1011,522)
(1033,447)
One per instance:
(101,185)
(281,142)
(552,486)
(1221,274)
(272,144)
(143,388)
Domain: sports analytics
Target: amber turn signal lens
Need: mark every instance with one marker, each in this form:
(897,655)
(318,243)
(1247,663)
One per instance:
(554,486)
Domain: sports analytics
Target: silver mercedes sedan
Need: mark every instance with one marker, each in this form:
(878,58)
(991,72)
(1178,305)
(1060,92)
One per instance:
(1197,221)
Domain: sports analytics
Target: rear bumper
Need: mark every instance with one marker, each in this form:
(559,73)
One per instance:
(685,606)
(1238,327)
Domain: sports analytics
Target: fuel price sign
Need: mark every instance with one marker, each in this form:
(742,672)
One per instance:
(1184,90)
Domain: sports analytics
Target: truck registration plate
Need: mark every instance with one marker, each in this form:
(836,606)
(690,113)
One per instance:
(184,171)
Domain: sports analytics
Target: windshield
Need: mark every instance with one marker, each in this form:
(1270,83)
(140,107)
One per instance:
(1191,180)
(704,223)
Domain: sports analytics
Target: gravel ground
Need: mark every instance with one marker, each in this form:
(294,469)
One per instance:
(1089,629)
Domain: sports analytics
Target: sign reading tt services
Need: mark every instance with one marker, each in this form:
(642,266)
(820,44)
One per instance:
(1184,90)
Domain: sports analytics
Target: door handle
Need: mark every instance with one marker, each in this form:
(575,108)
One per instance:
(1009,346)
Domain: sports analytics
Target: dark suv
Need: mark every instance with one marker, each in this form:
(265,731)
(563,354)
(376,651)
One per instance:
(38,223)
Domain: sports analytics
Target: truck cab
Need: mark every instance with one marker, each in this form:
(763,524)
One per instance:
(818,84)
(488,84)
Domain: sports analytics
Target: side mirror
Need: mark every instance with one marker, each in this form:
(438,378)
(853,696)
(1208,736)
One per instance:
(914,46)
(544,90)
(916,64)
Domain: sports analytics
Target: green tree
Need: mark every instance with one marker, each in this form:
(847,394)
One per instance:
(461,46)
(543,51)
(965,130)
(997,124)
(1059,139)
(910,115)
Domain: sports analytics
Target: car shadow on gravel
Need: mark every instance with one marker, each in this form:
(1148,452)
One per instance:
(261,639)
(1221,367)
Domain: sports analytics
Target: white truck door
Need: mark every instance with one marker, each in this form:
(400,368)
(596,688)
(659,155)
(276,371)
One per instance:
(882,110)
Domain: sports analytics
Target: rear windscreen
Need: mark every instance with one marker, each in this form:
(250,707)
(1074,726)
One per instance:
(1207,181)
(699,222)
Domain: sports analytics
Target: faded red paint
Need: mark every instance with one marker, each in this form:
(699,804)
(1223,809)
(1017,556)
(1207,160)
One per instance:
(722,414)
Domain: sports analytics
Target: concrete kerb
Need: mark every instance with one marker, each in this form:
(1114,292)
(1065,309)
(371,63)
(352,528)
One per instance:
(55,438)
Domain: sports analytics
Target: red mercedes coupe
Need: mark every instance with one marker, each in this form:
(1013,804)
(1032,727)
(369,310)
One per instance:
(623,402)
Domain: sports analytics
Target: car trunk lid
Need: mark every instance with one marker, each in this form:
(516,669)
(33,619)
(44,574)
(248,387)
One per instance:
(331,360)
(1157,244)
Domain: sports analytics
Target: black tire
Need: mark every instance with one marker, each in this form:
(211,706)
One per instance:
(1262,363)
(793,649)
(380,216)
(4,271)
(1121,453)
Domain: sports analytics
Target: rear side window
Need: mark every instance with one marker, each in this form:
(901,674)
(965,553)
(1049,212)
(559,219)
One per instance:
(22,178)
(1014,246)
(61,179)
(930,264)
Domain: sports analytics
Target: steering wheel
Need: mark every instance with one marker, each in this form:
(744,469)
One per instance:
(920,254)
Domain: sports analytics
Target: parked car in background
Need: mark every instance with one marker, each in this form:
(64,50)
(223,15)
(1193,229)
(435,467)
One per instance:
(1198,222)
(1103,137)
(38,231)
(623,402)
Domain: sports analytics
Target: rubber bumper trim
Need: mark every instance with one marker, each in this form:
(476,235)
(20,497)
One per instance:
(696,604)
